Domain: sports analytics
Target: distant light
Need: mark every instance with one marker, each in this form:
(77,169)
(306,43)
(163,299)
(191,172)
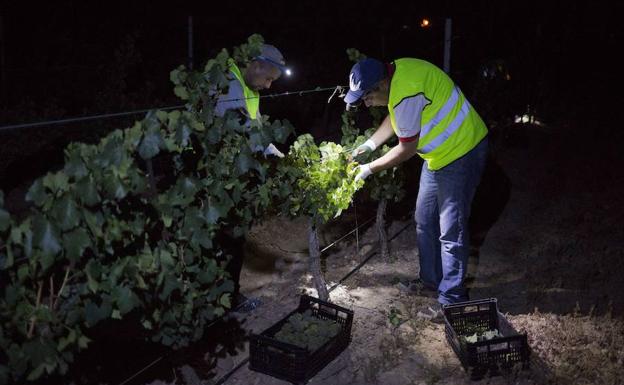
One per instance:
(424,23)
(528,118)
(288,72)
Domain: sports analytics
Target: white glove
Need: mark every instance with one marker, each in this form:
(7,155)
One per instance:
(272,150)
(363,171)
(369,145)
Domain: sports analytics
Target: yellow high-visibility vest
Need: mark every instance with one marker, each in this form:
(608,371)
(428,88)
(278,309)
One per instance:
(252,98)
(449,125)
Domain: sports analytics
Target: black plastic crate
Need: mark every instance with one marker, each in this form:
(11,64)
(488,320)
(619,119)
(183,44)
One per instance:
(292,363)
(490,357)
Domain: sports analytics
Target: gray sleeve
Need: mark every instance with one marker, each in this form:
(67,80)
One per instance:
(233,100)
(408,114)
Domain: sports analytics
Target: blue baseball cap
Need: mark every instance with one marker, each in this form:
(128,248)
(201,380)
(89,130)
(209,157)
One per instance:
(364,75)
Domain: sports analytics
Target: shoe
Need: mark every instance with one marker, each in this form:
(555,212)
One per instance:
(433,313)
(418,287)
(244,304)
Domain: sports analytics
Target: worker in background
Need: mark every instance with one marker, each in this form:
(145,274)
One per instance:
(243,96)
(432,118)
(244,86)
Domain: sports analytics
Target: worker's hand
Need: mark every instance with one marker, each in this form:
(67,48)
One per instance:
(272,150)
(367,146)
(363,171)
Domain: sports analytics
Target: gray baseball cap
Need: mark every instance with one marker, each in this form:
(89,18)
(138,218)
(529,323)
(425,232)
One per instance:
(272,55)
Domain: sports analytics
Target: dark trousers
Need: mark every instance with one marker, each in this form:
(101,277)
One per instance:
(235,247)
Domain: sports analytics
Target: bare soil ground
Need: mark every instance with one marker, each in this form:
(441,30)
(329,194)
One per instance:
(553,258)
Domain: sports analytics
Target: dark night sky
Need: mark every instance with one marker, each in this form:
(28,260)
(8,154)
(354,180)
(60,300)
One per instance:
(71,57)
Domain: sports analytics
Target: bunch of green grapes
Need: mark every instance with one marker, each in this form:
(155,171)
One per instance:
(483,336)
(306,331)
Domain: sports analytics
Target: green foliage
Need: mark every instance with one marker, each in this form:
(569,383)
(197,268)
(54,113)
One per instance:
(395,317)
(323,179)
(95,247)
(355,55)
(252,48)
(133,225)
(307,331)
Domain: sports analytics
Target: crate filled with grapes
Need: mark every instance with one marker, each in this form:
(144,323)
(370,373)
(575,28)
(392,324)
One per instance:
(302,343)
(483,339)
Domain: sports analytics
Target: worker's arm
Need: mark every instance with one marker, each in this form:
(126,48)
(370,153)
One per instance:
(397,155)
(383,133)
(408,116)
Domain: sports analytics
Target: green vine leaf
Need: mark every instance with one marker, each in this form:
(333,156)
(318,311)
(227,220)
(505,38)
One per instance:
(150,145)
(66,213)
(125,299)
(75,243)
(181,92)
(94,313)
(110,151)
(37,194)
(45,236)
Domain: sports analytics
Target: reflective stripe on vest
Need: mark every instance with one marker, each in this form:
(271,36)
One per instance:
(445,110)
(452,127)
(252,98)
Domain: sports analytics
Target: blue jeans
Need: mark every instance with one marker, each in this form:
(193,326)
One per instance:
(442,212)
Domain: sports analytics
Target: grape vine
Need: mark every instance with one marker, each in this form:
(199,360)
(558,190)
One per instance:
(132,228)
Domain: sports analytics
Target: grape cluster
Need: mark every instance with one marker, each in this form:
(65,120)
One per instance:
(483,336)
(307,331)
